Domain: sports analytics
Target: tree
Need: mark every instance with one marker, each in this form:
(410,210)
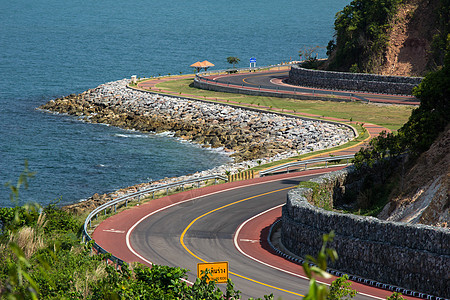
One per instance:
(425,123)
(233,60)
(340,289)
(309,57)
(361,35)
(314,267)
(308,54)
(395,296)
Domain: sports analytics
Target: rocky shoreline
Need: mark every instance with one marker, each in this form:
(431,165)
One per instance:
(250,137)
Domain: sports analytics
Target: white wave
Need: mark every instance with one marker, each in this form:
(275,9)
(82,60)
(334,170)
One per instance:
(165,133)
(122,135)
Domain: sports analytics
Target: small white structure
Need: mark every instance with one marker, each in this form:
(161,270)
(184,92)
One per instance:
(133,79)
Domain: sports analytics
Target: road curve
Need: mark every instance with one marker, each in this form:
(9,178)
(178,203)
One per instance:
(276,79)
(186,228)
(201,225)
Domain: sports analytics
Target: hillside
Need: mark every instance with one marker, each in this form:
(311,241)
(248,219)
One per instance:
(392,37)
(424,196)
(410,39)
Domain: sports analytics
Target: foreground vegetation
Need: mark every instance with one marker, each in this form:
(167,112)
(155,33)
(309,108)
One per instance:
(42,258)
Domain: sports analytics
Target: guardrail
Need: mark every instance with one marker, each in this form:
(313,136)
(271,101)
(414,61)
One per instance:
(305,163)
(130,197)
(202,76)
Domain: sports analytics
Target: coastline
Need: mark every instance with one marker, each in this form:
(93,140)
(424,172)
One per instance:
(250,138)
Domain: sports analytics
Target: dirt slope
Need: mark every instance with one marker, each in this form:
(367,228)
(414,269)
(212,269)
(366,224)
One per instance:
(410,39)
(425,197)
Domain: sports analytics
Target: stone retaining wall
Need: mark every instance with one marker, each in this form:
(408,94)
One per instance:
(352,81)
(301,96)
(415,257)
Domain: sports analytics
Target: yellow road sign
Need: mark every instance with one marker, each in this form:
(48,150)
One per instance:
(218,271)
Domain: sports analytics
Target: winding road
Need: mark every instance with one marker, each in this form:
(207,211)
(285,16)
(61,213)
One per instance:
(227,222)
(275,80)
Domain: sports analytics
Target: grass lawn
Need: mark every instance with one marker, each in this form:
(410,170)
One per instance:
(389,116)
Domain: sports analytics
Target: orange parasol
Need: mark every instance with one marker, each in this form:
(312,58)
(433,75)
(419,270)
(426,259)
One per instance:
(202,65)
(207,64)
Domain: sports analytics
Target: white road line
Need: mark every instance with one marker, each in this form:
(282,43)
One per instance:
(114,230)
(127,237)
(236,244)
(251,241)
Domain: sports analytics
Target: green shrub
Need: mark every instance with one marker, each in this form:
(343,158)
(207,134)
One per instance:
(361,35)
(424,125)
(60,221)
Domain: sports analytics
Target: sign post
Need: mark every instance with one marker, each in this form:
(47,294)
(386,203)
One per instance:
(253,61)
(218,271)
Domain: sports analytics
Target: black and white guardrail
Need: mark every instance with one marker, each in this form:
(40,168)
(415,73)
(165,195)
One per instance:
(305,163)
(133,196)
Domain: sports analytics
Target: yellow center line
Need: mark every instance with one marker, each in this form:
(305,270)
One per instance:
(222,207)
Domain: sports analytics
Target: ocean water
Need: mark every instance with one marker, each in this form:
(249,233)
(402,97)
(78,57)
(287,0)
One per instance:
(51,48)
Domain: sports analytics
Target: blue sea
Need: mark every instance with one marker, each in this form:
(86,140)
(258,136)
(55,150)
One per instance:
(52,48)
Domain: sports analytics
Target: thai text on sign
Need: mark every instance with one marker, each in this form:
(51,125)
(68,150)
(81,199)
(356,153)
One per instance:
(218,271)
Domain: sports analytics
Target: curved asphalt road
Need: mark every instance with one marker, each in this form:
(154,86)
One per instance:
(182,232)
(275,79)
(211,237)
(189,227)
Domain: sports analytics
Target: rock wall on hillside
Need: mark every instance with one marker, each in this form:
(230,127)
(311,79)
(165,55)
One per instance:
(424,196)
(411,256)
